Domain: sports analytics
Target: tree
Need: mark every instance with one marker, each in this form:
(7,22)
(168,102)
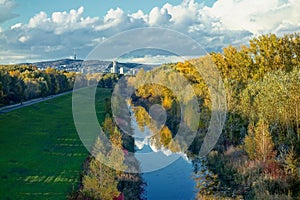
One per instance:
(258,143)
(263,139)
(108,126)
(17,87)
(101,178)
(249,142)
(167,102)
(291,163)
(116,138)
(100,181)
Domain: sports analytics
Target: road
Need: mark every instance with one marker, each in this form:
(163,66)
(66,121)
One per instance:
(10,108)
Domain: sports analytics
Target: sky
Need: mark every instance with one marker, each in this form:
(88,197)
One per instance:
(47,30)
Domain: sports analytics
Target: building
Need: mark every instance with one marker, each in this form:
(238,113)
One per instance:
(121,70)
(114,68)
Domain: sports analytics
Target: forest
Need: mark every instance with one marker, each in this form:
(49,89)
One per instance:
(257,155)
(19,83)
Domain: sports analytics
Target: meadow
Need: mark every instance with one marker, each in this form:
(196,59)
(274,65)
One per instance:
(41,155)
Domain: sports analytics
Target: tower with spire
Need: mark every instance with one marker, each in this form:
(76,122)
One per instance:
(74,54)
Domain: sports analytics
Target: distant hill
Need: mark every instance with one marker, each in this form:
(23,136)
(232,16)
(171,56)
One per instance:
(89,65)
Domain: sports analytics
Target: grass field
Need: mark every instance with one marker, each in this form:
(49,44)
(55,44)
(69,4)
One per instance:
(41,155)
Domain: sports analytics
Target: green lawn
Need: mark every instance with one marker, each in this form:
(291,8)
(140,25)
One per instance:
(41,155)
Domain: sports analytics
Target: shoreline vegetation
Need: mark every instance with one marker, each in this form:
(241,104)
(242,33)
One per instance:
(103,175)
(257,155)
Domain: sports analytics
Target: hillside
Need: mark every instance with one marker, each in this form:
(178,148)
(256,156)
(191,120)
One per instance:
(88,65)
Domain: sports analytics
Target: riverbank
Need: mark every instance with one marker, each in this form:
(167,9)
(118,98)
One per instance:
(107,179)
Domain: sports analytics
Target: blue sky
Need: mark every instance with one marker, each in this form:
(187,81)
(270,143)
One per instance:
(41,30)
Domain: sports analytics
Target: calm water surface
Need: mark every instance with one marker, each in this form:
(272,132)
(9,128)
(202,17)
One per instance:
(171,181)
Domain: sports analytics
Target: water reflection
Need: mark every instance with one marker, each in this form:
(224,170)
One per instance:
(155,149)
(153,131)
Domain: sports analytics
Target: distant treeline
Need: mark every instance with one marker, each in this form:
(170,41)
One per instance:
(19,83)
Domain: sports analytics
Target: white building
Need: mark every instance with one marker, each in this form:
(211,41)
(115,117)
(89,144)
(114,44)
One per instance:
(121,70)
(114,68)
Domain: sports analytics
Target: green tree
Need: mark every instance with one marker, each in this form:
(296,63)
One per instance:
(291,163)
(258,143)
(100,181)
(249,142)
(108,126)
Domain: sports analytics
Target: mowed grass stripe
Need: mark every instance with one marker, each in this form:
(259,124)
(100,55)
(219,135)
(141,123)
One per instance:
(41,155)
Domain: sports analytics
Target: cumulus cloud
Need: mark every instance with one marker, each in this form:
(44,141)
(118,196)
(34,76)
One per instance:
(139,15)
(255,16)
(54,35)
(16,26)
(184,14)
(61,22)
(113,19)
(159,17)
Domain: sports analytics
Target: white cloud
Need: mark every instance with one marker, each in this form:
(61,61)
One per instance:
(67,18)
(114,15)
(24,38)
(139,15)
(113,18)
(61,22)
(16,26)
(184,14)
(255,16)
(159,17)
(54,35)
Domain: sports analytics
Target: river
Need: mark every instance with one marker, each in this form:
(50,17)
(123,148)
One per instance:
(167,175)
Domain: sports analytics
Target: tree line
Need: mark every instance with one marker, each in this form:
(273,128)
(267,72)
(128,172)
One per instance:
(257,155)
(19,83)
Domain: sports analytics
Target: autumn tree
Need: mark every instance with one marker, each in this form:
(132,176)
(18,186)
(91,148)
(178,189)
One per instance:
(249,142)
(100,181)
(258,143)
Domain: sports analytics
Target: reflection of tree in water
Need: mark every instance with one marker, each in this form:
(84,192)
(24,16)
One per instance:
(206,181)
(182,92)
(142,118)
(162,136)
(178,102)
